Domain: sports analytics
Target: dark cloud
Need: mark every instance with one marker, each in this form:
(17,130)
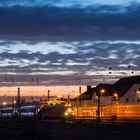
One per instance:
(53,23)
(94,56)
(20,25)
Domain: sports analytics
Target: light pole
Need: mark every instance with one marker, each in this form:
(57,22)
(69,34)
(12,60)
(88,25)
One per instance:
(49,95)
(98,110)
(18,102)
(116,97)
(102,91)
(99,94)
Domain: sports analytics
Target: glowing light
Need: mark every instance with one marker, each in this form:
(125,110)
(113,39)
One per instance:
(102,90)
(77,94)
(115,94)
(15,102)
(4,103)
(69,110)
(59,96)
(66,113)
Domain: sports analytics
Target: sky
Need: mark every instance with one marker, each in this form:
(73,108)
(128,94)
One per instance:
(59,42)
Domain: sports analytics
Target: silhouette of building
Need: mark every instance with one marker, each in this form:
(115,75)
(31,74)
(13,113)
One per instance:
(125,90)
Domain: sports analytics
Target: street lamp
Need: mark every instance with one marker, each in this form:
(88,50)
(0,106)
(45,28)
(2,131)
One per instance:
(102,91)
(14,102)
(99,93)
(4,103)
(116,97)
(138,94)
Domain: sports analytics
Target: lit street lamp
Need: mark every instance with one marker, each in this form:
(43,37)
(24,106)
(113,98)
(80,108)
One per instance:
(14,102)
(138,94)
(102,91)
(4,103)
(116,97)
(99,94)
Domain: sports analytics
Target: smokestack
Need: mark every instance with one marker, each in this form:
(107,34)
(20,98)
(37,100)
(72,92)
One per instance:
(88,87)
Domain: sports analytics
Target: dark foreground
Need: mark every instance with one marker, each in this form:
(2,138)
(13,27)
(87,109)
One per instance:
(42,130)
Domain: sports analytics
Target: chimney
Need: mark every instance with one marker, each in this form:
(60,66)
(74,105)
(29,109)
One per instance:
(88,87)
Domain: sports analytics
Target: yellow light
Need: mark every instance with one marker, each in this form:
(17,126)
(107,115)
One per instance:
(59,97)
(68,105)
(77,94)
(138,92)
(66,113)
(115,94)
(4,103)
(15,102)
(102,90)
(73,113)
(69,110)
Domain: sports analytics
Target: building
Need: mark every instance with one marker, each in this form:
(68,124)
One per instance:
(120,100)
(125,90)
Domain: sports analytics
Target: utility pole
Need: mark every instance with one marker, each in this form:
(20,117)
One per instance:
(49,95)
(78,97)
(69,96)
(98,110)
(18,102)
(99,104)
(80,89)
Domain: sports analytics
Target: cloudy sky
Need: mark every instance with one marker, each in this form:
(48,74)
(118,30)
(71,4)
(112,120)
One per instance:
(68,41)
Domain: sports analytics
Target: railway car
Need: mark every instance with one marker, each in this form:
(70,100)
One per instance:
(26,110)
(7,112)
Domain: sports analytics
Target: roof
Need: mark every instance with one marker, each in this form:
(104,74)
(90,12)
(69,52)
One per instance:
(124,84)
(121,87)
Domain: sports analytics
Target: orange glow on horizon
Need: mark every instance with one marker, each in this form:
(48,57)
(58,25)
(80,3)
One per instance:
(41,90)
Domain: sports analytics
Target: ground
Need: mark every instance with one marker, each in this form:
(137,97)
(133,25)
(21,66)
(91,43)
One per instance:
(43,130)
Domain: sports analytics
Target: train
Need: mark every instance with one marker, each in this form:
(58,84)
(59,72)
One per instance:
(60,112)
(26,110)
(119,111)
(65,111)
